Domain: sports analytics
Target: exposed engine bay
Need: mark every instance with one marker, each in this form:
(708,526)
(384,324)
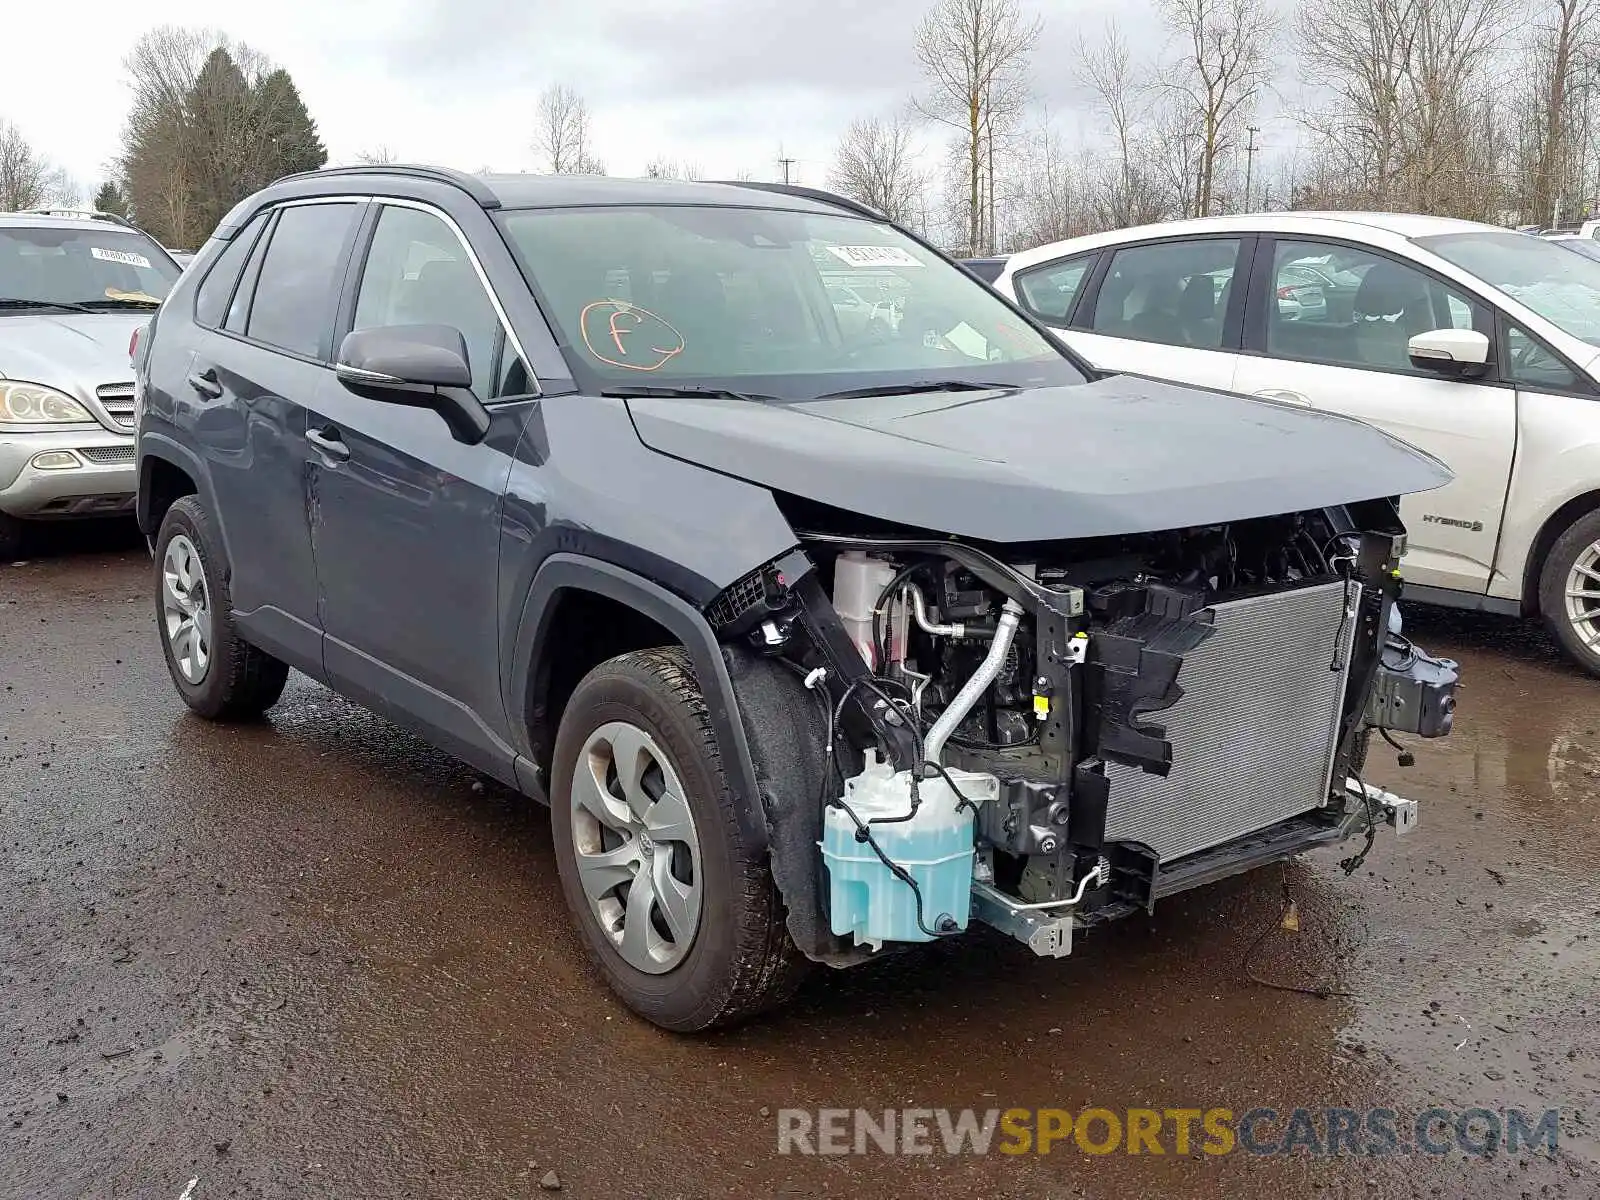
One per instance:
(1045,736)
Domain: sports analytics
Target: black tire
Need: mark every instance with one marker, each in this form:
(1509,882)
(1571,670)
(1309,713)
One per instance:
(11,536)
(741,961)
(240,682)
(1558,565)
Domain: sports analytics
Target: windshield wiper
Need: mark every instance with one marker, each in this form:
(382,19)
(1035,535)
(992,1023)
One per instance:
(644,391)
(911,389)
(15,302)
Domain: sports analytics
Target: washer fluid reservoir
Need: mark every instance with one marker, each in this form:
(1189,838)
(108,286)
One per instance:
(934,847)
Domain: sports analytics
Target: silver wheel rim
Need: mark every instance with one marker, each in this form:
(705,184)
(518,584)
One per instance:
(186,609)
(1583,596)
(637,851)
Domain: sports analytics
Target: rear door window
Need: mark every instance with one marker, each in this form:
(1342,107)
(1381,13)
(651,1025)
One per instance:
(216,289)
(1175,293)
(1051,291)
(298,286)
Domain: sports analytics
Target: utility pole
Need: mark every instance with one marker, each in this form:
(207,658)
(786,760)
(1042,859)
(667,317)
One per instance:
(786,163)
(1249,162)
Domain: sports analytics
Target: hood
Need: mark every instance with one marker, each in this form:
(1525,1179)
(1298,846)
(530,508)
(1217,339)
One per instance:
(1119,455)
(78,351)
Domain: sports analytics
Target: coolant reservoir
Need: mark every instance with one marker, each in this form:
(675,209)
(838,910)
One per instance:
(935,848)
(858,581)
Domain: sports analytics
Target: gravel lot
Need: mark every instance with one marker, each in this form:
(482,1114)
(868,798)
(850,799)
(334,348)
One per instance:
(315,957)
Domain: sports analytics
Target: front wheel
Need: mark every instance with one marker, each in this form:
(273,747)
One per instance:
(679,914)
(1569,591)
(220,676)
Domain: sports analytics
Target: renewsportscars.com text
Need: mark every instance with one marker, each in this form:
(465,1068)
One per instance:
(1318,1132)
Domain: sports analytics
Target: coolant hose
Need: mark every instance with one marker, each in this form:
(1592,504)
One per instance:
(956,711)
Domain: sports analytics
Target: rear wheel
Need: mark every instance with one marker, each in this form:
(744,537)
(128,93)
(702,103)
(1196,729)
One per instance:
(679,914)
(219,675)
(1569,591)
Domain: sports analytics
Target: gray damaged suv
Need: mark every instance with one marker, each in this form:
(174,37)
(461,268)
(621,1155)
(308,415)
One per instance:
(73,288)
(820,638)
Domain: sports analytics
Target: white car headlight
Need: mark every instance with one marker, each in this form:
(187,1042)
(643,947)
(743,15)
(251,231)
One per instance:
(35,404)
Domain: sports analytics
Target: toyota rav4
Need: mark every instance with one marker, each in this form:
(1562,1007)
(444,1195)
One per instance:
(820,638)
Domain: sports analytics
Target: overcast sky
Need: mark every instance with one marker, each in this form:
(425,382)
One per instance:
(721,83)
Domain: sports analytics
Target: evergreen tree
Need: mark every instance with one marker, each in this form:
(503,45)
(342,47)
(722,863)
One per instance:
(288,136)
(211,122)
(109,199)
(220,111)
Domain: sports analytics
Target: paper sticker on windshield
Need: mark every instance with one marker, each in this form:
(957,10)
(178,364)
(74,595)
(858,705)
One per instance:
(120,256)
(873,256)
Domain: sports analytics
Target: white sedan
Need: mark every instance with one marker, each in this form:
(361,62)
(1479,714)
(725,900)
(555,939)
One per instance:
(1478,344)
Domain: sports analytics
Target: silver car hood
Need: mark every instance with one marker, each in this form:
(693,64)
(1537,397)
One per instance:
(73,352)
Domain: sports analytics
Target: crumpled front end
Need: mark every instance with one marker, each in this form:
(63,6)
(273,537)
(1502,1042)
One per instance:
(1063,733)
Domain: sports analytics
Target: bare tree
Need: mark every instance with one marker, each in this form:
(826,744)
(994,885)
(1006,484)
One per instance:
(1224,65)
(664,167)
(377,156)
(27,178)
(1052,205)
(1414,119)
(1560,61)
(974,56)
(876,163)
(561,133)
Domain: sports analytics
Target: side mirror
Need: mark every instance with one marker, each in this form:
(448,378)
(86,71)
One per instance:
(1462,353)
(419,366)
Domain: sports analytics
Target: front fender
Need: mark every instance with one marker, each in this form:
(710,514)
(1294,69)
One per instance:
(561,572)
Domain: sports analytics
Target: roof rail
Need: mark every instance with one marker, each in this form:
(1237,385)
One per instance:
(84,214)
(471,184)
(809,193)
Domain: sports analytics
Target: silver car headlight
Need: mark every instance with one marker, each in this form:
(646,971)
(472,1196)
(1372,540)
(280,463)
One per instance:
(35,404)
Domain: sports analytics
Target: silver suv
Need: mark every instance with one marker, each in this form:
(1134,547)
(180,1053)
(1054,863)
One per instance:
(74,286)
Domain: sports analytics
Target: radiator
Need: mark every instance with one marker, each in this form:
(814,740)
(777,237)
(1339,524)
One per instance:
(1255,732)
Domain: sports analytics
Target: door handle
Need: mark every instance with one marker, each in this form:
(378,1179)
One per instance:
(205,382)
(1287,396)
(329,442)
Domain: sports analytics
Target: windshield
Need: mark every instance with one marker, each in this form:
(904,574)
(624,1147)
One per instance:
(1585,246)
(785,303)
(1562,287)
(96,264)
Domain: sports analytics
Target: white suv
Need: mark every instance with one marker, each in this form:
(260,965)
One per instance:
(1475,343)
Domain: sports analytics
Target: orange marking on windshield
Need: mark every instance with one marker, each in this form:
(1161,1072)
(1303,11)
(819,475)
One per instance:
(616,334)
(653,358)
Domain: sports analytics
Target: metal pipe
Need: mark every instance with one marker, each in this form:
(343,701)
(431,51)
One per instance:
(968,696)
(1098,874)
(919,609)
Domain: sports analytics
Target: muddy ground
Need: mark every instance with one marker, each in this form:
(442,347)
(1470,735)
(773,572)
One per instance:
(316,958)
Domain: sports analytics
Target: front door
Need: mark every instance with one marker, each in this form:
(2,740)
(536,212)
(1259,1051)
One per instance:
(1348,354)
(405,519)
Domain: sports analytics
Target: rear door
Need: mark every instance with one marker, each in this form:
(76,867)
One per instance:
(1167,309)
(268,305)
(405,518)
(1349,355)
